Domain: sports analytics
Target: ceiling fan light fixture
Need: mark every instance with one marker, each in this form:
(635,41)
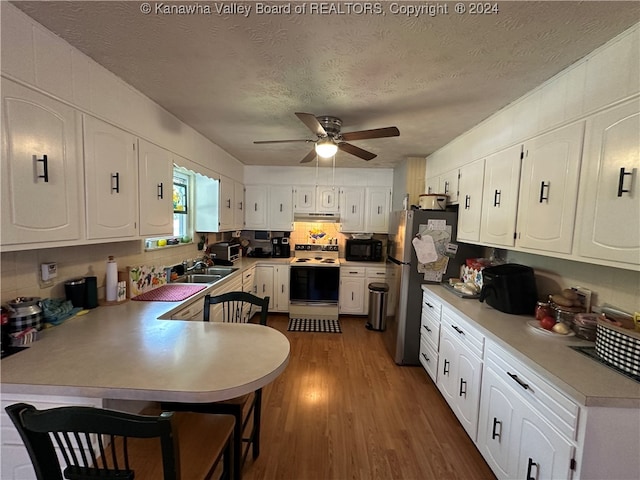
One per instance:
(326,148)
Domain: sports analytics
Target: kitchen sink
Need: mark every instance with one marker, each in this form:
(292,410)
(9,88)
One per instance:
(197,278)
(211,275)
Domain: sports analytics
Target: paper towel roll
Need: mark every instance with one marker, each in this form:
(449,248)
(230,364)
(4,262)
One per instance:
(111,285)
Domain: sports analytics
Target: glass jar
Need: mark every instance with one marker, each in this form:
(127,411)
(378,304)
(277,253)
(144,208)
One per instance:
(543,309)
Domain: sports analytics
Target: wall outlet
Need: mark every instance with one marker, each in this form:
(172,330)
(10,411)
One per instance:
(48,271)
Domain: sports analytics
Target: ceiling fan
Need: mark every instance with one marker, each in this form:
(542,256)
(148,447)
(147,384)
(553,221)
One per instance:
(329,140)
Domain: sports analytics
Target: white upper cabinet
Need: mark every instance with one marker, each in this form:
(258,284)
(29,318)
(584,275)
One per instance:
(111,180)
(155,178)
(315,199)
(327,199)
(609,195)
(41,171)
(470,201)
(226,204)
(378,205)
(304,199)
(269,207)
(255,215)
(238,211)
(352,209)
(500,197)
(206,196)
(448,185)
(280,208)
(549,189)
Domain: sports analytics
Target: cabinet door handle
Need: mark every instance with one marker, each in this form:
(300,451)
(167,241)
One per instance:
(463,388)
(353,209)
(518,381)
(282,288)
(240,205)
(115,177)
(329,199)
(280,207)
(461,332)
(425,357)
(621,189)
(529,468)
(544,185)
(379,209)
(45,168)
(228,203)
(160,191)
(445,369)
(428,305)
(494,433)
(352,296)
(428,189)
(305,199)
(496,198)
(446,188)
(427,328)
(467,202)
(255,207)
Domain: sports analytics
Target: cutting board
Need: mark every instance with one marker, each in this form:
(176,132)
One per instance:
(169,293)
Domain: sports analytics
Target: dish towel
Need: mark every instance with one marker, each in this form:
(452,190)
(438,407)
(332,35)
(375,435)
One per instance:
(425,249)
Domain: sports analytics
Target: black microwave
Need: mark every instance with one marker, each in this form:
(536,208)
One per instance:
(363,250)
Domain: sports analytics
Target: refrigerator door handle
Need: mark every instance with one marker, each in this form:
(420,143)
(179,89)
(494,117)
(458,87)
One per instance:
(397,262)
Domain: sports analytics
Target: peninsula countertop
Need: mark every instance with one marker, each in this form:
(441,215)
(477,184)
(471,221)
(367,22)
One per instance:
(127,352)
(585,380)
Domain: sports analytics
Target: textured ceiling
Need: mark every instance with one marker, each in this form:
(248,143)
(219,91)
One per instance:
(237,78)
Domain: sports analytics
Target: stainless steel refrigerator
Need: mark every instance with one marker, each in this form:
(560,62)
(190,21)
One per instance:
(404,308)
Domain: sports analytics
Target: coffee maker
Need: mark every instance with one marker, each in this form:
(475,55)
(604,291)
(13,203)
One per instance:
(280,247)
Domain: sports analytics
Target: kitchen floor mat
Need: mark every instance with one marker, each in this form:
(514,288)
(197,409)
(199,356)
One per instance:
(314,325)
(169,293)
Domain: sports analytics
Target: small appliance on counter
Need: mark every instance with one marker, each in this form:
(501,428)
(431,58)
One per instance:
(510,288)
(226,250)
(432,201)
(280,247)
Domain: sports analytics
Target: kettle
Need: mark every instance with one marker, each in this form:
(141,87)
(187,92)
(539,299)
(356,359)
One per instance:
(24,312)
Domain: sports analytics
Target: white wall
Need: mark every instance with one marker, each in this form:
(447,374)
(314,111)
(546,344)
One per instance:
(354,177)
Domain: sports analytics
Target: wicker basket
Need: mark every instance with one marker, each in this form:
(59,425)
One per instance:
(618,346)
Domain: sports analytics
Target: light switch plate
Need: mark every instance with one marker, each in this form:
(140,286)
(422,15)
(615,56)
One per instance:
(49,271)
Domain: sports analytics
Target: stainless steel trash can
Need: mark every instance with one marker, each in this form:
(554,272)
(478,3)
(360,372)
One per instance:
(377,306)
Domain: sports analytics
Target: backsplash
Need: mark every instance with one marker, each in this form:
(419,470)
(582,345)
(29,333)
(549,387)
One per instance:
(21,270)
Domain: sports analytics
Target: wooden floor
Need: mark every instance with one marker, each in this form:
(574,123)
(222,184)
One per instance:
(344,410)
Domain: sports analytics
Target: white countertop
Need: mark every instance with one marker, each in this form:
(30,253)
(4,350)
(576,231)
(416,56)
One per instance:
(126,352)
(582,378)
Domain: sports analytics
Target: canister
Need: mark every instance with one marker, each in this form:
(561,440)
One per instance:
(75,289)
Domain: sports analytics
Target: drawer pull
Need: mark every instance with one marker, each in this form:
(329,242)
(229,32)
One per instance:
(426,358)
(445,368)
(457,329)
(494,433)
(520,382)
(427,328)
(463,388)
(529,468)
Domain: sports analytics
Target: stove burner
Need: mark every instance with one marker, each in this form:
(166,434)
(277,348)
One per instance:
(328,260)
(302,260)
(317,258)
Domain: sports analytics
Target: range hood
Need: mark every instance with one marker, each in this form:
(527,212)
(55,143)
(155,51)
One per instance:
(316,217)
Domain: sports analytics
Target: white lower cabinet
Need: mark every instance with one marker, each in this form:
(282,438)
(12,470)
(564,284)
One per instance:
(527,428)
(460,368)
(352,290)
(273,280)
(16,464)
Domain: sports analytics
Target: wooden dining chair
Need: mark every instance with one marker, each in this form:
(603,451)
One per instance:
(247,408)
(96,443)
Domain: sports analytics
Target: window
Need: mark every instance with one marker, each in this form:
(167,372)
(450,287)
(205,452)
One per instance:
(181,201)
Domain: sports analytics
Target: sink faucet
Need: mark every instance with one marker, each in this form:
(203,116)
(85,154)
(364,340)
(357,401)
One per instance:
(199,265)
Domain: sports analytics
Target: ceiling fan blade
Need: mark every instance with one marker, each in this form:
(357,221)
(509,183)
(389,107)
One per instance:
(374,133)
(312,123)
(282,141)
(310,156)
(357,151)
